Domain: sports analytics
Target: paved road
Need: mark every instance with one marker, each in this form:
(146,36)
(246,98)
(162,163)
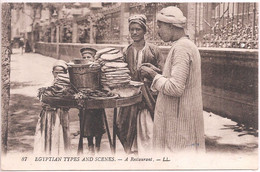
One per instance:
(31,71)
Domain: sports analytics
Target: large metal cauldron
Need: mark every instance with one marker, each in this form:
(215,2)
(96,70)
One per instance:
(84,76)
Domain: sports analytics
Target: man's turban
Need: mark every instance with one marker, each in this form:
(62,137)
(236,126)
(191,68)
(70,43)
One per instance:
(140,19)
(172,15)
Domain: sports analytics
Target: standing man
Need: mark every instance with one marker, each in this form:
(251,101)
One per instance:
(135,123)
(178,119)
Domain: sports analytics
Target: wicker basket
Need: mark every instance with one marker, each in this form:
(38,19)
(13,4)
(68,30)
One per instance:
(84,76)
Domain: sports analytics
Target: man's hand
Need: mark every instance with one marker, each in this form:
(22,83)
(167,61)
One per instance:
(156,69)
(148,72)
(144,74)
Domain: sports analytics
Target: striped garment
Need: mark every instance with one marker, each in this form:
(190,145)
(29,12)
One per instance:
(52,133)
(178,119)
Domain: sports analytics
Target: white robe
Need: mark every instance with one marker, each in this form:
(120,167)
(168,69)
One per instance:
(52,132)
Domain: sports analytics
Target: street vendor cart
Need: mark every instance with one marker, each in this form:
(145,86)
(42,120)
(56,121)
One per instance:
(95,104)
(101,82)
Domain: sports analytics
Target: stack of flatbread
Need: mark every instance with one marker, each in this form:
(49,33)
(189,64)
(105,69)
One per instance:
(61,87)
(114,71)
(62,81)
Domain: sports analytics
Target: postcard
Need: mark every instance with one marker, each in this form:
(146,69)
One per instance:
(129,85)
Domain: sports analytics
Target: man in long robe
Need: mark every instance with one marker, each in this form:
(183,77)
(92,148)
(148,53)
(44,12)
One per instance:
(135,123)
(178,118)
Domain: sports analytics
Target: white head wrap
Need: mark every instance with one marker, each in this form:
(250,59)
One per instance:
(172,15)
(60,63)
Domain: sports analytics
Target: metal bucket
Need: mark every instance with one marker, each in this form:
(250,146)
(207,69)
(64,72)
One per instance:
(80,61)
(84,76)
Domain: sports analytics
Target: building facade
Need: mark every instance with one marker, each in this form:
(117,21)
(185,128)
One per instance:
(226,25)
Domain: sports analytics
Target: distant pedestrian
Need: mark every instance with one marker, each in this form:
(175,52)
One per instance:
(11,46)
(21,45)
(27,46)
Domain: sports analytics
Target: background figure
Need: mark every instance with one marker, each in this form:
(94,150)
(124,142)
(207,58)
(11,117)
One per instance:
(178,119)
(135,123)
(52,135)
(21,45)
(11,46)
(27,46)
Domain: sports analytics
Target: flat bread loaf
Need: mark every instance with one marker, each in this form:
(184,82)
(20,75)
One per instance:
(113,51)
(116,64)
(105,50)
(117,72)
(111,57)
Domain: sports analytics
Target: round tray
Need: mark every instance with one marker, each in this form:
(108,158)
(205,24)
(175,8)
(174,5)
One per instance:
(92,103)
(103,98)
(60,101)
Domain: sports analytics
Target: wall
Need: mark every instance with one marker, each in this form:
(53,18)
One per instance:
(68,51)
(230,83)
(229,77)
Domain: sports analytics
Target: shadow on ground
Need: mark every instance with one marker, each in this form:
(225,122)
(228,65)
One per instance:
(213,146)
(24,113)
(17,85)
(23,116)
